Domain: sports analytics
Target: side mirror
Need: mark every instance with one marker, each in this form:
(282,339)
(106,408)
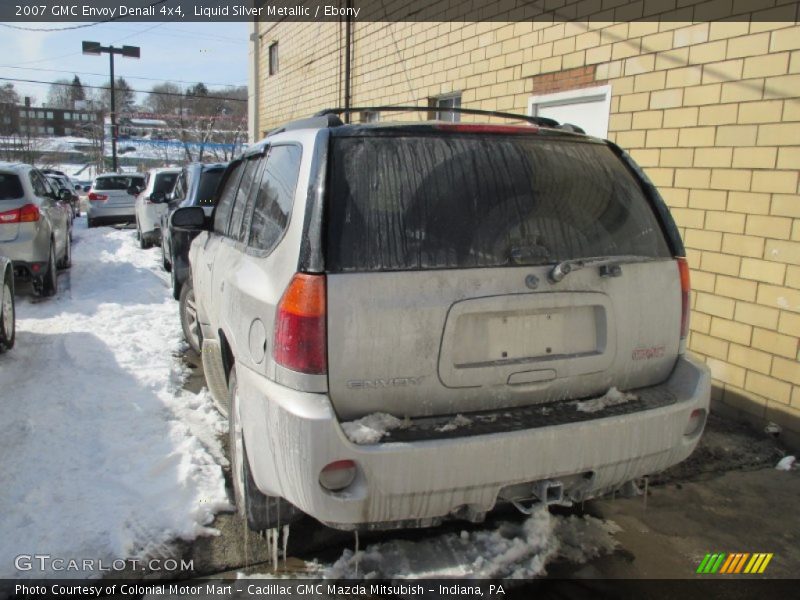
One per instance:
(86,188)
(158,197)
(64,195)
(189,217)
(134,190)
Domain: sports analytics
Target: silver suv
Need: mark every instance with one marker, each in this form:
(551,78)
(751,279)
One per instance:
(415,321)
(35,226)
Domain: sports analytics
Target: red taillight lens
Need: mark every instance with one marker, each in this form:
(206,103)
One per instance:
(97,197)
(29,213)
(300,326)
(683,269)
(337,475)
(9,216)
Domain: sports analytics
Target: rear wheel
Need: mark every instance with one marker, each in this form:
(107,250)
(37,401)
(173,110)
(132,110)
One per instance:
(89,222)
(7,313)
(66,262)
(261,511)
(176,286)
(188,313)
(50,278)
(164,262)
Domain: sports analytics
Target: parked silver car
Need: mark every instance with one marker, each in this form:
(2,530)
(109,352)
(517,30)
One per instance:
(412,322)
(7,312)
(112,197)
(151,203)
(35,226)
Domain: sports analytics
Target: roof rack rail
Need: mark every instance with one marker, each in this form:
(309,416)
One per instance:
(314,122)
(544,121)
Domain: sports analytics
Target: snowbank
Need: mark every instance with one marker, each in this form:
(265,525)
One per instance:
(104,456)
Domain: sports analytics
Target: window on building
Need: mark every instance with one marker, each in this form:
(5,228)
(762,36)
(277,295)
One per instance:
(448,101)
(588,108)
(49,114)
(67,116)
(370,116)
(273,58)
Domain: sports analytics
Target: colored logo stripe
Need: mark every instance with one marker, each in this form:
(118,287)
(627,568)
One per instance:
(735,563)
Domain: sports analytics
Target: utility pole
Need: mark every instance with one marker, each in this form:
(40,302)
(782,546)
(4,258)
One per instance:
(128,52)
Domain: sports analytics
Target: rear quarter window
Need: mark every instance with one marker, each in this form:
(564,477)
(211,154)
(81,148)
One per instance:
(419,201)
(10,187)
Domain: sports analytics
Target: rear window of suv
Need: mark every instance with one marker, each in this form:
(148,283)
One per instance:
(117,183)
(10,187)
(416,201)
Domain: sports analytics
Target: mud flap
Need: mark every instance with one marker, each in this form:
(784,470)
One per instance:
(214,370)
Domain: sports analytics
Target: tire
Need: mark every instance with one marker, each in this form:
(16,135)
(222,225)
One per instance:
(164,262)
(188,313)
(8,329)
(50,278)
(66,262)
(176,286)
(89,222)
(259,510)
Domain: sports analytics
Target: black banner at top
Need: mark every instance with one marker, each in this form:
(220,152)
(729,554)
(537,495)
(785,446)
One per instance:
(70,11)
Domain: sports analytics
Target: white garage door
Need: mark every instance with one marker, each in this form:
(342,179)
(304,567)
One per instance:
(587,108)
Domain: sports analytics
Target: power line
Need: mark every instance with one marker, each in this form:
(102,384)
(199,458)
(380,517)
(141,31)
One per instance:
(99,87)
(71,54)
(105,75)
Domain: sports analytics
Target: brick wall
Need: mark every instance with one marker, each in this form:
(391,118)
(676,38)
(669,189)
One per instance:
(710,110)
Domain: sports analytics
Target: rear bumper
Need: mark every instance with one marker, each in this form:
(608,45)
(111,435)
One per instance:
(30,246)
(111,214)
(292,435)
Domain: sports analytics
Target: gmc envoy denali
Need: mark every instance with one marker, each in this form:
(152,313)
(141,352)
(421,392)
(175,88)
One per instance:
(502,309)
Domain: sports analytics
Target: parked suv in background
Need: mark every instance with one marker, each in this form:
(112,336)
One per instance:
(112,197)
(35,226)
(64,183)
(196,186)
(510,303)
(151,204)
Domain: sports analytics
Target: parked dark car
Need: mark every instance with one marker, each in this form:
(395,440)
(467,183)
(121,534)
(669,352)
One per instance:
(196,186)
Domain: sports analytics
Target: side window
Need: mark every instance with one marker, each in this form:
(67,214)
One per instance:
(275,196)
(179,193)
(226,198)
(243,198)
(39,186)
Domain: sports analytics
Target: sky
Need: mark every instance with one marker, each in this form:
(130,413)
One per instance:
(183,53)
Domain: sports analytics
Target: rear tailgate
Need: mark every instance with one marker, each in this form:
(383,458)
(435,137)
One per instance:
(439,249)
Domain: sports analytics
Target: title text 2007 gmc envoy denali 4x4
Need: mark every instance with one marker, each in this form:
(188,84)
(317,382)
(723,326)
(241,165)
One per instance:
(506,306)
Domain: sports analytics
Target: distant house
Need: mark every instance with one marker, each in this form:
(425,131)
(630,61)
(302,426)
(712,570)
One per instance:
(710,109)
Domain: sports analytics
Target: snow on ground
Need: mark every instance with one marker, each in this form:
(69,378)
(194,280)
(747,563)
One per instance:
(511,550)
(104,456)
(516,550)
(612,397)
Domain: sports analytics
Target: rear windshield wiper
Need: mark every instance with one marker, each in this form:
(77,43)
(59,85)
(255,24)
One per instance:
(610,264)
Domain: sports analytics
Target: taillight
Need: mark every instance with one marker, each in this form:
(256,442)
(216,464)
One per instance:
(300,342)
(97,197)
(10,216)
(683,269)
(29,213)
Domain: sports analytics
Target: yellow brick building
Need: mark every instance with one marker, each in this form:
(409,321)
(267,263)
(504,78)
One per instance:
(711,110)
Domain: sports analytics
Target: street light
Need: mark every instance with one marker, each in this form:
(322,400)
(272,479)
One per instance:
(126,51)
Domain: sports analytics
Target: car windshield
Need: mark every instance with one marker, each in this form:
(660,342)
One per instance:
(206,192)
(117,182)
(10,187)
(165,182)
